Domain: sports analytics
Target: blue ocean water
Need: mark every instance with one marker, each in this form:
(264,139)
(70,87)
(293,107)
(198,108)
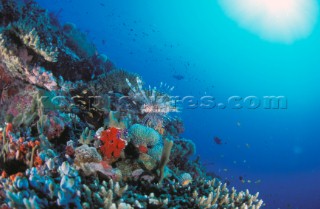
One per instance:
(196,47)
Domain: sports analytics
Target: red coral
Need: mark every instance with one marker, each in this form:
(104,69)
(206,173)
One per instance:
(143,149)
(37,161)
(112,143)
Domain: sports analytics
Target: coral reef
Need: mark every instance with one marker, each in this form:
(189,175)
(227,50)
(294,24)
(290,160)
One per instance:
(76,132)
(32,47)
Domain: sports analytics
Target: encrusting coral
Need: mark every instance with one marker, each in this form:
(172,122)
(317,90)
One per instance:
(112,143)
(76,132)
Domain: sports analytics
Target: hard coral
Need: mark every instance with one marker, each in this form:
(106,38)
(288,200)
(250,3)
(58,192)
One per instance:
(112,143)
(115,81)
(86,154)
(147,140)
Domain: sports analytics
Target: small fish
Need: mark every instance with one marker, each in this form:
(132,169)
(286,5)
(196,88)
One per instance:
(238,124)
(90,114)
(178,77)
(225,170)
(217,140)
(82,102)
(257,182)
(248,146)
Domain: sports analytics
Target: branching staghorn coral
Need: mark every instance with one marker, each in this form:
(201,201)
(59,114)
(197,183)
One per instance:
(221,197)
(201,194)
(86,137)
(104,195)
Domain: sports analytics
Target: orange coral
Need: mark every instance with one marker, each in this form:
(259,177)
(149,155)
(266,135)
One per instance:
(23,149)
(4,174)
(21,140)
(14,176)
(37,161)
(9,128)
(31,144)
(112,143)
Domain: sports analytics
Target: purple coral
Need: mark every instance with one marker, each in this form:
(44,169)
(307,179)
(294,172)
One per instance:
(39,76)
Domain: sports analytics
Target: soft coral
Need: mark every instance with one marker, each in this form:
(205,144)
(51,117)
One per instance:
(112,143)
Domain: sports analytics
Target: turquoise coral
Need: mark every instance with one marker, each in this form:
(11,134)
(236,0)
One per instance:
(148,137)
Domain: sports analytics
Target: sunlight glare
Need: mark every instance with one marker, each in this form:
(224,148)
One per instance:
(274,20)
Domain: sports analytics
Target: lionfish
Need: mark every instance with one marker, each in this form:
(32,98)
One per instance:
(156,104)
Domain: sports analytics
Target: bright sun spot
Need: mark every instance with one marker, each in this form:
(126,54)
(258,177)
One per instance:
(274,20)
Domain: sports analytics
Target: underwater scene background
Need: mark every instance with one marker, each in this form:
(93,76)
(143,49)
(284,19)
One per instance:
(205,52)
